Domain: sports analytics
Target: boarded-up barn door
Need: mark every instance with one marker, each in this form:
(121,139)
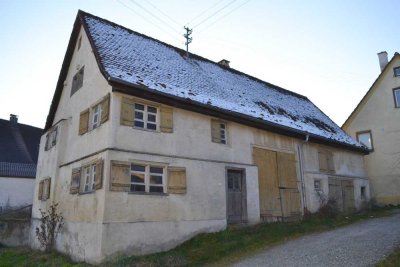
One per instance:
(342,192)
(236,198)
(290,195)
(335,193)
(270,204)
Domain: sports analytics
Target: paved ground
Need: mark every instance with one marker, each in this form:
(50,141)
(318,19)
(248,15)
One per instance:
(360,244)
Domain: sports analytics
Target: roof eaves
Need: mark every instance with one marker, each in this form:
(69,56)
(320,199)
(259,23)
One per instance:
(188,104)
(369,90)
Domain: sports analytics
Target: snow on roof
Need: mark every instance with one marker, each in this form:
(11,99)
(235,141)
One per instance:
(141,60)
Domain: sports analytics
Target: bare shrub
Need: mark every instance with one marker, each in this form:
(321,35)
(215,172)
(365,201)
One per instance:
(51,223)
(328,206)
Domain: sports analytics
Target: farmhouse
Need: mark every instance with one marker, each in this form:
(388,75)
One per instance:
(19,149)
(145,147)
(375,123)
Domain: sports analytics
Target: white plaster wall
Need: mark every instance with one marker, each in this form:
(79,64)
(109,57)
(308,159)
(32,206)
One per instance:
(379,115)
(16,192)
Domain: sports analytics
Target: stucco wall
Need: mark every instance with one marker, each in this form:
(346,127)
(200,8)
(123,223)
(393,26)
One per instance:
(16,192)
(378,114)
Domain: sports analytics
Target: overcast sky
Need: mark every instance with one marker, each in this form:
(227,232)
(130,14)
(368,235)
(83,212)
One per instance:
(325,50)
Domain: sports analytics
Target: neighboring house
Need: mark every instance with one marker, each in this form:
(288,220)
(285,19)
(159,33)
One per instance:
(376,123)
(154,147)
(19,149)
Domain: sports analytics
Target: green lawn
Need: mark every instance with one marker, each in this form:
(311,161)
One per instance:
(222,247)
(393,260)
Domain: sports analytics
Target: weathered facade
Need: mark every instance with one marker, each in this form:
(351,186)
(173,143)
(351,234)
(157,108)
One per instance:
(375,121)
(136,170)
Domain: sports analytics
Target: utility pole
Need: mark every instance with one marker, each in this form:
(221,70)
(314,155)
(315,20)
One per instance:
(188,39)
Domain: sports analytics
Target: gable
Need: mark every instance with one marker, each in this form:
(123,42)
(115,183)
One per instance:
(385,76)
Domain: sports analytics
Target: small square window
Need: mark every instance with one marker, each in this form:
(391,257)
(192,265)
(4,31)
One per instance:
(396,95)
(396,71)
(317,185)
(365,138)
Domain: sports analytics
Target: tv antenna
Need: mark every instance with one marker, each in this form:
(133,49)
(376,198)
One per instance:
(188,38)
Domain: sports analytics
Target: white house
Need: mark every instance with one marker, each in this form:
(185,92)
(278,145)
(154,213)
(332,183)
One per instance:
(375,122)
(145,147)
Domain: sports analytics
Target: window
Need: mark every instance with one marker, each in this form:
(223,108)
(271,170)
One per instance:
(51,138)
(145,117)
(44,189)
(96,116)
(219,132)
(396,71)
(147,178)
(363,193)
(396,95)
(143,114)
(317,185)
(79,42)
(365,138)
(87,178)
(77,80)
(326,163)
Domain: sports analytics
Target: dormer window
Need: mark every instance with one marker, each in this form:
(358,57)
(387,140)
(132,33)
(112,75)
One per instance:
(396,72)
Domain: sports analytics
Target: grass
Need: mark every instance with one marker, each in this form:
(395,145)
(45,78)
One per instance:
(216,248)
(393,260)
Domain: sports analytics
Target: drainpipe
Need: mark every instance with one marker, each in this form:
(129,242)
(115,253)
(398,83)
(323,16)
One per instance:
(301,166)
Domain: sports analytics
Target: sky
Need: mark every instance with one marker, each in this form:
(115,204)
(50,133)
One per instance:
(325,50)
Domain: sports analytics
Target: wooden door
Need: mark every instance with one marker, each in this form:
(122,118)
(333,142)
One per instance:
(236,197)
(270,203)
(289,192)
(335,193)
(348,196)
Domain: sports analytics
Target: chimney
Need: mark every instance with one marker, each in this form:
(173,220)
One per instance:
(13,119)
(383,59)
(224,63)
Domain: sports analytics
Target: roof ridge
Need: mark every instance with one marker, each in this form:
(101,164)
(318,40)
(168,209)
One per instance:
(183,52)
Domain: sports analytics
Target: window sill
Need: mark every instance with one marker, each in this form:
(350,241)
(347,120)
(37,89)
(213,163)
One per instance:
(148,194)
(87,193)
(146,130)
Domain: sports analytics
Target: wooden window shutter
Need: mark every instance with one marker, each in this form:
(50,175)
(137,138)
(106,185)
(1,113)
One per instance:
(105,109)
(127,112)
(120,176)
(40,192)
(330,163)
(216,131)
(323,164)
(46,146)
(99,174)
(46,189)
(75,181)
(166,119)
(84,122)
(176,180)
(287,170)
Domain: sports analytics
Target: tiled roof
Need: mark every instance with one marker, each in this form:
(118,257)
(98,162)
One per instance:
(139,60)
(19,149)
(8,169)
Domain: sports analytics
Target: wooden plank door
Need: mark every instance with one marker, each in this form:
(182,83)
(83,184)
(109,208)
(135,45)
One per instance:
(348,196)
(336,193)
(289,192)
(236,197)
(270,203)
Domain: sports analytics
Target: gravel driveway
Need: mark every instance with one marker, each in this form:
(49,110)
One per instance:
(360,244)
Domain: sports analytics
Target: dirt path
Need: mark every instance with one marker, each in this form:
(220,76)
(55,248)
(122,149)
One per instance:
(360,244)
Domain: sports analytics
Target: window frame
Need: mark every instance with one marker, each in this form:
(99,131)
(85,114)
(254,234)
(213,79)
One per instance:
(223,135)
(97,123)
(51,138)
(88,178)
(370,134)
(147,178)
(145,113)
(396,101)
(77,80)
(396,71)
